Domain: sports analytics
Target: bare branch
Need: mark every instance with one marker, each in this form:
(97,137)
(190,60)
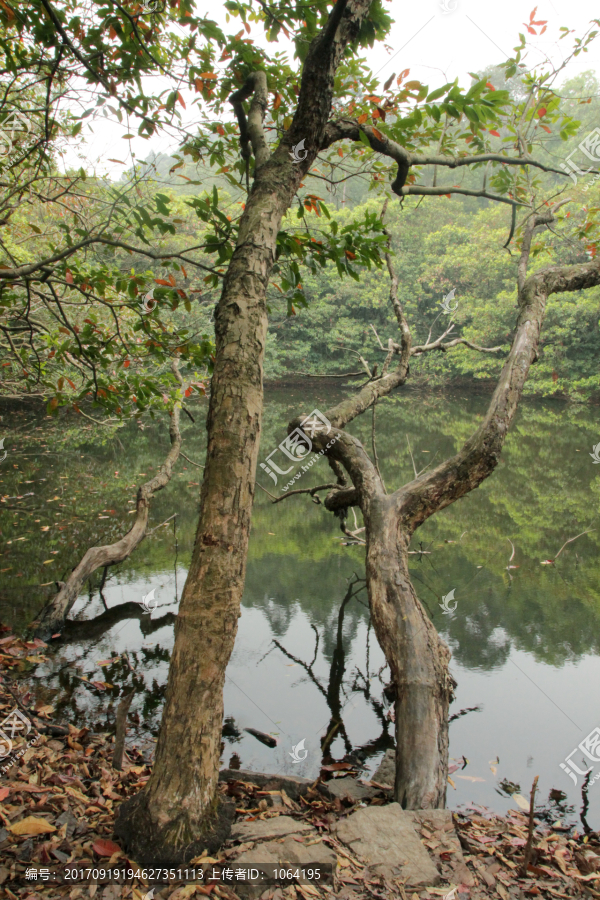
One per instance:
(52,617)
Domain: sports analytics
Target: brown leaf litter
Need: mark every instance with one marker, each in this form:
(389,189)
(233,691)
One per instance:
(59,798)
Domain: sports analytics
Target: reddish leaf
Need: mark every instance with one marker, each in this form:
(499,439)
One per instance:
(4,792)
(188,391)
(495,133)
(126,364)
(69,277)
(277,102)
(180,98)
(105,848)
(542,111)
(220,130)
(362,119)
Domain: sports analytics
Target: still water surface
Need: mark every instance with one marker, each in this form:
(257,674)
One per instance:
(306,663)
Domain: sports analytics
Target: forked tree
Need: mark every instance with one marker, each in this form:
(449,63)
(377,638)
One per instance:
(417,656)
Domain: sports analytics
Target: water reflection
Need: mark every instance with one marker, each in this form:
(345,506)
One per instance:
(306,665)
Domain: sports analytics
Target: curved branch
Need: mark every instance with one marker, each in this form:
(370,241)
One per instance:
(422,190)
(52,617)
(479,456)
(455,162)
(350,129)
(251,129)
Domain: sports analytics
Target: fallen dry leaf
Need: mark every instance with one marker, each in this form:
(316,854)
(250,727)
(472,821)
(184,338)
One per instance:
(32,825)
(105,848)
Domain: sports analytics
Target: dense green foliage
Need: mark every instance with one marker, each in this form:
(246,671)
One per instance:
(78,254)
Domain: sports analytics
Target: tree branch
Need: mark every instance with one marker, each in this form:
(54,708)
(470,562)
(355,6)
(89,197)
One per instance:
(479,456)
(53,616)
(24,270)
(251,129)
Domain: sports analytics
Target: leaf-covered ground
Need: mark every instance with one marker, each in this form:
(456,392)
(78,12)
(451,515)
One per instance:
(59,793)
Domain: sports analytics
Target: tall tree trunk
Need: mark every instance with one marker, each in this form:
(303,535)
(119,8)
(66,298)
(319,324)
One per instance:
(174,816)
(174,812)
(418,659)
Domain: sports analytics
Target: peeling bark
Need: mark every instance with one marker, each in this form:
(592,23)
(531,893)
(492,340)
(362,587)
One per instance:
(177,814)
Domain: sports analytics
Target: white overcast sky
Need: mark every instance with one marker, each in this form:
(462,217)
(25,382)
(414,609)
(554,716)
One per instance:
(437,46)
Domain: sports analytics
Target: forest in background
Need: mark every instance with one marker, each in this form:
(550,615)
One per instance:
(323,310)
(438,247)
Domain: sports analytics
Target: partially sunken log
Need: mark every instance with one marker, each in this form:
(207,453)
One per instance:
(53,616)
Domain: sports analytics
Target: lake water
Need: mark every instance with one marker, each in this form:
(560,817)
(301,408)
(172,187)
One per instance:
(524,640)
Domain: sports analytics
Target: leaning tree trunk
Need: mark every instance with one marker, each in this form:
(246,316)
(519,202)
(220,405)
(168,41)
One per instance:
(171,818)
(418,659)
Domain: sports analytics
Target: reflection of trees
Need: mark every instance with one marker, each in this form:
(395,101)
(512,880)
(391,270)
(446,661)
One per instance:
(335,688)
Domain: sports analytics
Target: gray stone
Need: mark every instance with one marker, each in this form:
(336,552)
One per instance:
(386,771)
(267,829)
(289,852)
(349,788)
(434,819)
(386,840)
